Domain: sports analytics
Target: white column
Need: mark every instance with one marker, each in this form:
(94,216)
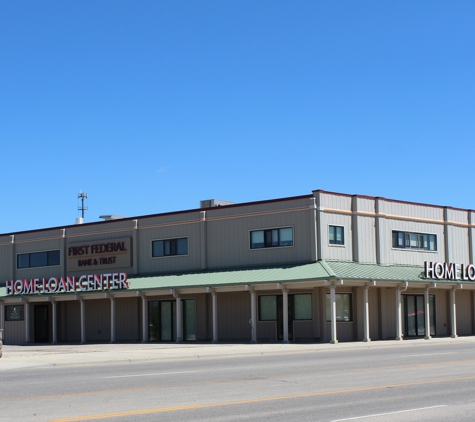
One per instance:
(398,315)
(179,323)
(366,314)
(27,322)
(83,321)
(427,314)
(453,311)
(285,303)
(144,319)
(253,317)
(334,339)
(2,315)
(112,319)
(214,297)
(473,312)
(55,321)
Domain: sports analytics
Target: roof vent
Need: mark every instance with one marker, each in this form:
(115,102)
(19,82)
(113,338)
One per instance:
(209,203)
(112,217)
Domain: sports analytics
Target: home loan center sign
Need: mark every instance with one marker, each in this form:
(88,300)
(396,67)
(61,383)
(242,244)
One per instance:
(449,271)
(84,283)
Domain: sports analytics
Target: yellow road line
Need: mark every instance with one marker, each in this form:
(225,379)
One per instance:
(264,399)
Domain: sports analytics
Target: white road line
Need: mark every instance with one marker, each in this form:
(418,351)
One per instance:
(151,375)
(389,413)
(427,354)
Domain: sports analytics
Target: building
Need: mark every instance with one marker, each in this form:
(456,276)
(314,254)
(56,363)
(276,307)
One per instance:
(324,267)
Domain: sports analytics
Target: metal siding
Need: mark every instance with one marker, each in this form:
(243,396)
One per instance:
(366,239)
(228,241)
(412,210)
(464,313)
(127,319)
(388,313)
(458,216)
(390,255)
(458,244)
(266,331)
(14,332)
(441,307)
(234,312)
(303,331)
(336,202)
(365,204)
(192,261)
(98,320)
(340,252)
(249,210)
(6,263)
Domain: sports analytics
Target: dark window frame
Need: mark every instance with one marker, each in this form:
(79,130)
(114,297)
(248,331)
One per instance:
(170,247)
(404,240)
(53,259)
(335,241)
(270,241)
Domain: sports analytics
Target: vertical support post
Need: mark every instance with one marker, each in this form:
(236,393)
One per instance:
(54,309)
(112,319)
(253,317)
(2,315)
(179,323)
(144,319)
(83,321)
(427,313)
(473,313)
(285,303)
(214,297)
(334,339)
(366,314)
(27,322)
(398,315)
(453,311)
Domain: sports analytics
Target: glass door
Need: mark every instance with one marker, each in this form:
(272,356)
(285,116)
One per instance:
(413,309)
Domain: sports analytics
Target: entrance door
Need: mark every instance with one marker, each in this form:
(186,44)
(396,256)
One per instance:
(162,320)
(414,315)
(41,324)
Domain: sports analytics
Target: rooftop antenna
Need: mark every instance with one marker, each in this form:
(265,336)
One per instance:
(82,196)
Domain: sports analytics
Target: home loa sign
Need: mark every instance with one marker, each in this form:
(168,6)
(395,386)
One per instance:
(449,271)
(84,283)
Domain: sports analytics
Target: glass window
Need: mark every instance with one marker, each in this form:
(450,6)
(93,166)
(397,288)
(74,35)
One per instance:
(344,312)
(268,308)
(272,238)
(407,240)
(38,259)
(170,247)
(302,306)
(336,235)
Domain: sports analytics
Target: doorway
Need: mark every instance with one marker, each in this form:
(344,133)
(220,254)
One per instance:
(413,310)
(41,324)
(162,320)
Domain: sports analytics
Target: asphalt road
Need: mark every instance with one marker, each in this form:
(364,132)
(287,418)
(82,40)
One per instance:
(435,382)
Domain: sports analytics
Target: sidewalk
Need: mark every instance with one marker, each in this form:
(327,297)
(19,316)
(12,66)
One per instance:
(16,357)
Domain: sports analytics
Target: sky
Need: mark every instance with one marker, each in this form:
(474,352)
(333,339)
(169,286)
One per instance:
(151,106)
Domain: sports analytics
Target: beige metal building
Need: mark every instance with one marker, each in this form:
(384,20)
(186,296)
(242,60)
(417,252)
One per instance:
(324,267)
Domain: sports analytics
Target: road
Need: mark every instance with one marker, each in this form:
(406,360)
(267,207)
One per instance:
(434,382)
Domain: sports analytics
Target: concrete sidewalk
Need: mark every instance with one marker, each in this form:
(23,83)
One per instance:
(16,357)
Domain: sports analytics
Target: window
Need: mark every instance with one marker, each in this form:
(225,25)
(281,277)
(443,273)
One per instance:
(38,259)
(272,238)
(336,235)
(405,240)
(344,311)
(170,247)
(300,307)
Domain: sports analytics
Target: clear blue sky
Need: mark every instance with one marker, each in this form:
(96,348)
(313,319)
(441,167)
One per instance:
(152,106)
